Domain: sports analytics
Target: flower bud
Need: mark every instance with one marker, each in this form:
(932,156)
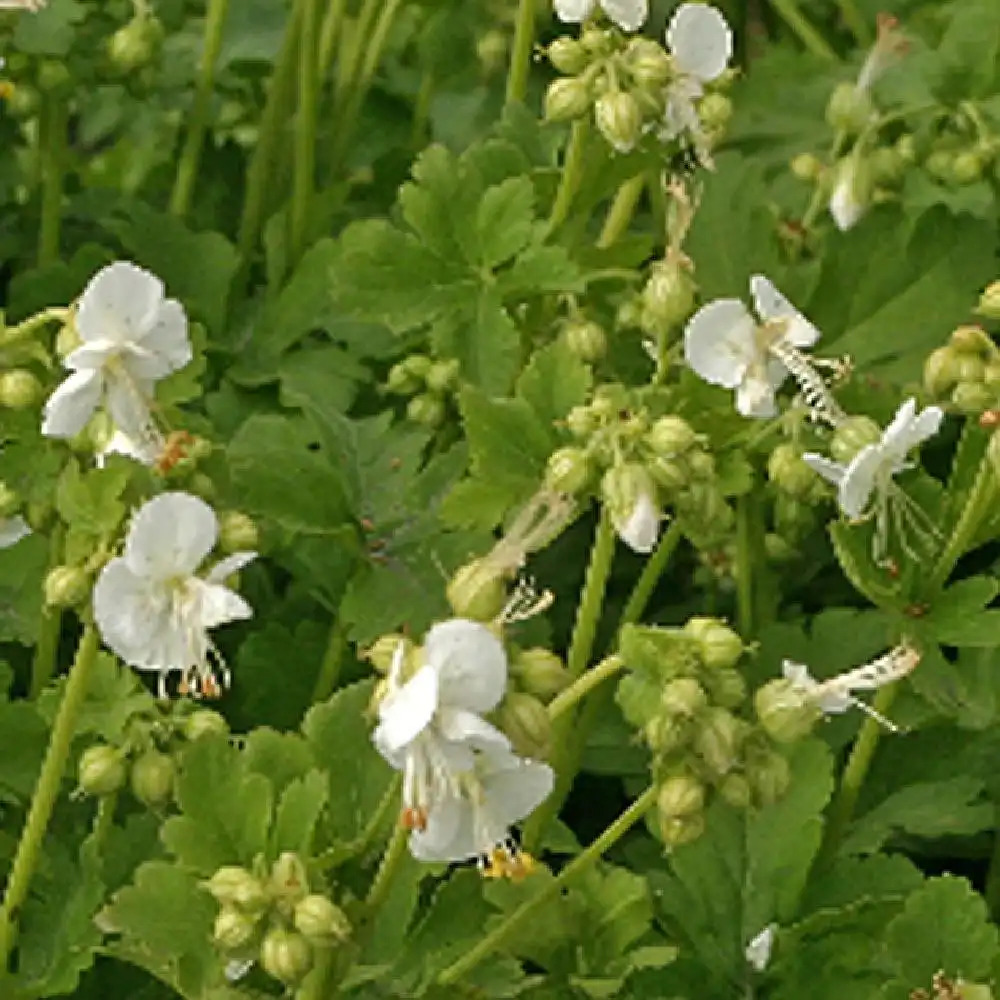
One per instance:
(67,339)
(238,532)
(597,41)
(235,887)
(671,436)
(566,99)
(726,688)
(22,102)
(321,921)
(769,776)
(906,147)
(286,956)
(38,514)
(19,389)
(849,108)
(425,409)
(972,341)
(665,734)
(289,881)
(938,164)
(204,722)
(66,586)
(101,770)
(202,486)
(777,549)
(736,791)
(382,651)
(682,829)
(851,436)
(401,381)
(233,929)
(648,63)
(491,50)
(10,500)
(668,296)
(587,340)
(477,591)
(568,55)
(718,740)
(807,167)
(991,375)
(540,672)
(683,697)
(524,719)
(442,375)
(619,119)
(581,422)
(568,470)
(785,712)
(134,45)
(788,472)
(680,795)
(152,778)
(54,77)
(972,397)
(989,301)
(715,111)
(967,167)
(941,370)
(887,166)
(671,475)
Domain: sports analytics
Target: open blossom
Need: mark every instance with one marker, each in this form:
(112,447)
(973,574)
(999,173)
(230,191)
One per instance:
(726,346)
(131,336)
(629,15)
(154,610)
(12,530)
(462,786)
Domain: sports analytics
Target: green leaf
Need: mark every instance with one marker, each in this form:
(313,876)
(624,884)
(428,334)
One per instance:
(22,573)
(50,31)
(553,382)
(25,739)
(852,547)
(298,812)
(957,618)
(504,221)
(89,501)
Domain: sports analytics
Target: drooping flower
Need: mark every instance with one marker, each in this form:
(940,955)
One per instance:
(12,530)
(629,15)
(851,195)
(726,346)
(629,492)
(131,336)
(152,608)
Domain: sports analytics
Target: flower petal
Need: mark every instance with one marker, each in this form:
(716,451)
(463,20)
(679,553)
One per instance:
(121,444)
(73,403)
(118,304)
(772,305)
(231,564)
(132,616)
(908,429)
(858,483)
(574,11)
(12,530)
(460,726)
(642,528)
(755,397)
(719,342)
(216,605)
(629,15)
(700,40)
(164,346)
(405,713)
(832,472)
(128,403)
(449,834)
(846,209)
(170,536)
(470,662)
(513,788)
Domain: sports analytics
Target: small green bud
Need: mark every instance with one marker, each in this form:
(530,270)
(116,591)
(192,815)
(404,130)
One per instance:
(784,711)
(586,339)
(991,376)
(973,397)
(777,549)
(443,375)
(682,829)
(477,591)
(938,164)
(972,341)
(807,167)
(426,410)
(887,166)
(66,586)
(235,887)
(849,108)
(417,365)
(525,720)
(540,672)
(597,41)
(619,119)
(101,770)
(491,50)
(701,465)
(382,651)
(788,472)
(566,99)
(989,301)
(671,475)
(581,422)
(670,436)
(668,295)
(38,514)
(736,791)
(665,734)
(238,532)
(67,339)
(289,881)
(718,739)
(233,929)
(851,436)
(19,389)
(54,76)
(967,167)
(726,688)
(152,778)
(622,486)
(683,697)
(401,381)
(321,921)
(568,470)
(23,102)
(715,111)
(135,44)
(769,775)
(286,956)
(202,486)
(10,501)
(906,147)
(681,795)
(568,55)
(720,647)
(941,370)
(204,722)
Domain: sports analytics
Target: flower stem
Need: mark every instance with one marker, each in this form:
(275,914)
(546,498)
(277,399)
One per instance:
(333,22)
(395,852)
(44,661)
(622,209)
(304,159)
(187,166)
(494,940)
(855,21)
(802,27)
(520,57)
(333,658)
(584,684)
(43,800)
(745,617)
(422,110)
(53,121)
(650,576)
(572,173)
(588,611)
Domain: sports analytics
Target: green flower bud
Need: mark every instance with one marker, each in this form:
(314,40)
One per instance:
(788,472)
(938,164)
(289,881)
(417,366)
(566,99)
(202,486)
(286,956)
(682,829)
(683,697)
(67,339)
(19,389)
(66,586)
(135,44)
(671,475)
(718,740)
(204,722)
(54,77)
(851,436)
(701,465)
(587,340)
(477,591)
(726,688)
(967,167)
(619,119)
(849,109)
(401,381)
(777,549)
(807,167)
(382,651)
(491,51)
(670,436)
(972,342)
(989,301)
(681,795)
(321,921)
(426,409)
(887,166)
(581,422)
(443,375)
(10,501)
(568,470)
(152,778)
(233,929)
(235,887)
(668,295)
(972,397)
(906,147)
(736,791)
(648,63)
(769,776)
(941,370)
(540,672)
(991,376)
(784,711)
(38,514)
(715,111)
(665,734)
(525,720)
(238,532)
(598,41)
(23,101)
(101,770)
(621,487)
(568,55)
(720,647)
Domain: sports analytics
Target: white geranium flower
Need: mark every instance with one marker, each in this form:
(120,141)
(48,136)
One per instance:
(12,530)
(131,336)
(850,198)
(152,609)
(727,347)
(629,15)
(640,530)
(758,950)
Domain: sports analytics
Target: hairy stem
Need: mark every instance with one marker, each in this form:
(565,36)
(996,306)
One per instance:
(43,662)
(572,173)
(333,22)
(395,852)
(622,209)
(520,57)
(333,658)
(745,617)
(635,607)
(588,612)
(304,159)
(584,684)
(53,163)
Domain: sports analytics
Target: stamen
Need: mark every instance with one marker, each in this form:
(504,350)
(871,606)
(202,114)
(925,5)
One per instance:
(815,391)
(524,603)
(413,818)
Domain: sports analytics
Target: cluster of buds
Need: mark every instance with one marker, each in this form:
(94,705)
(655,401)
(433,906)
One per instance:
(684,694)
(666,300)
(965,371)
(273,917)
(585,337)
(962,150)
(427,383)
(797,490)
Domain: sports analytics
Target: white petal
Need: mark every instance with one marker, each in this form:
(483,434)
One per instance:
(121,444)
(858,483)
(12,530)
(514,787)
(574,11)
(118,304)
(73,403)
(164,346)
(470,662)
(719,342)
(629,15)
(95,354)
(755,397)
(700,40)
(460,726)
(832,472)
(642,528)
(758,950)
(231,564)
(449,834)
(404,714)
(170,536)
(798,674)
(772,305)
(214,604)
(846,209)
(132,615)
(128,403)
(908,429)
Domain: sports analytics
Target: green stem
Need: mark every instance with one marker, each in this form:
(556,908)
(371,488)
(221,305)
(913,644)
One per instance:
(801,26)
(572,173)
(304,159)
(395,852)
(650,576)
(855,21)
(43,800)
(316,985)
(584,684)
(333,659)
(422,110)
(494,940)
(332,24)
(53,168)
(187,166)
(520,57)
(745,617)
(588,612)
(621,212)
(352,50)
(43,663)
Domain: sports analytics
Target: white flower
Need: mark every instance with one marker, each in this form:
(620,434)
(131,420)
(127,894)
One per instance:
(726,346)
(153,610)
(640,530)
(12,530)
(849,200)
(629,15)
(131,336)
(758,951)
(120,443)
(30,5)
